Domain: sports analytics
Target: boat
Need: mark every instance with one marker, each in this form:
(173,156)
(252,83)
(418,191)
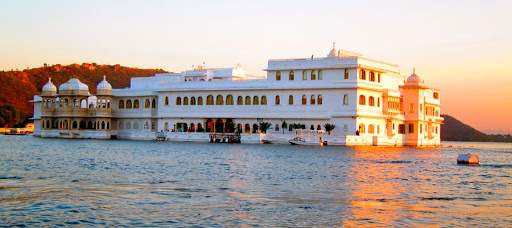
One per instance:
(15,131)
(302,141)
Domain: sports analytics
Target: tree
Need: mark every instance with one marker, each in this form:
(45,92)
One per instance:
(329,127)
(298,126)
(264,126)
(284,125)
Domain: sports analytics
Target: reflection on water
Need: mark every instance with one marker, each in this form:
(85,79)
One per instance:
(51,182)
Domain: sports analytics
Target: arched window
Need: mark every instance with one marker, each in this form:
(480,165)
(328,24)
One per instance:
(378,102)
(277,127)
(362,100)
(290,100)
(147,104)
(371,101)
(128,125)
(320,100)
(313,75)
(83,103)
(136,125)
(247,128)
(102,124)
(278,100)
(254,128)
(89,125)
(378,129)
(136,103)
(75,125)
(229,100)
(178,100)
(312,100)
(199,100)
(185,101)
(291,76)
(219,100)
(247,100)
(129,104)
(255,100)
(371,129)
(362,128)
(264,100)
(320,75)
(304,75)
(83,125)
(193,101)
(278,76)
(240,100)
(372,76)
(121,125)
(362,74)
(153,103)
(121,104)
(304,100)
(166,102)
(312,127)
(378,77)
(319,127)
(209,100)
(346,73)
(345,99)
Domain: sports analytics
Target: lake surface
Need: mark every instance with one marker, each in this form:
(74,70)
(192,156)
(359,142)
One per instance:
(89,183)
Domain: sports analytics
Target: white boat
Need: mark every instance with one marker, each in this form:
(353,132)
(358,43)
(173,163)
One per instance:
(301,141)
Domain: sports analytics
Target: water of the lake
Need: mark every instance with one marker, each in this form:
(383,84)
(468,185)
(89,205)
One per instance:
(53,182)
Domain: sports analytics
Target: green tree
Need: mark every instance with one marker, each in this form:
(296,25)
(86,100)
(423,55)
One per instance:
(284,125)
(329,127)
(264,126)
(298,126)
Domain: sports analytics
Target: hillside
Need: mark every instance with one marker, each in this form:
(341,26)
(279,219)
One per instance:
(454,130)
(18,87)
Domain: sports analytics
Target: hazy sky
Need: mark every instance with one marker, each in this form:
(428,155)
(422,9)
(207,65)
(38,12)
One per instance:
(464,48)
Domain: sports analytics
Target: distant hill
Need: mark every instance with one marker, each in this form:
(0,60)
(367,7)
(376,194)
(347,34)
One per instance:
(454,130)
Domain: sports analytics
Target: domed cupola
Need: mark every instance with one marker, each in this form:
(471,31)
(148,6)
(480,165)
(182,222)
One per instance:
(49,89)
(414,78)
(333,53)
(104,88)
(73,87)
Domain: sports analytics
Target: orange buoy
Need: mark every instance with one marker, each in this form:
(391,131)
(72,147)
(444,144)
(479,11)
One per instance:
(467,159)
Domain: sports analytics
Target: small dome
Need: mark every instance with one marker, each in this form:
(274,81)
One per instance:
(65,87)
(104,85)
(413,77)
(333,53)
(49,86)
(104,88)
(75,85)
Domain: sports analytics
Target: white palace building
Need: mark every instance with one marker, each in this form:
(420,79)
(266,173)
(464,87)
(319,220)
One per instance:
(368,101)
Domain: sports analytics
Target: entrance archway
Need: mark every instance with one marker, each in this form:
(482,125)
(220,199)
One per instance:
(219,126)
(254,128)
(209,125)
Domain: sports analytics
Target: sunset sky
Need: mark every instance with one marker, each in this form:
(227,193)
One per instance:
(464,48)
